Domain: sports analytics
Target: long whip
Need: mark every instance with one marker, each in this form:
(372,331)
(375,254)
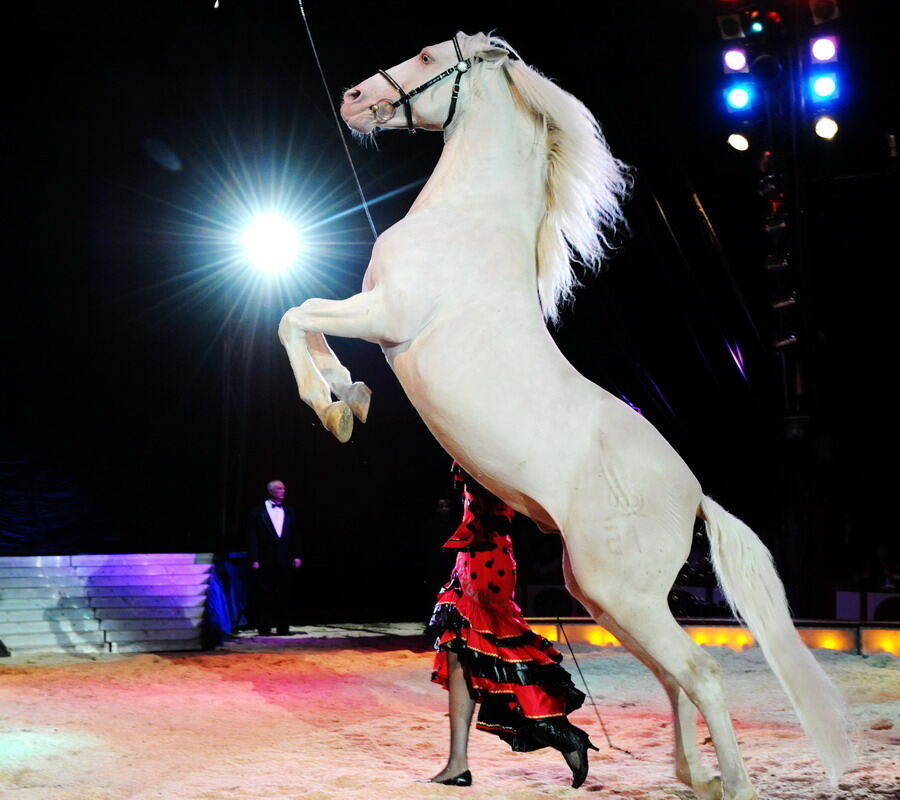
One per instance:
(587,690)
(337,120)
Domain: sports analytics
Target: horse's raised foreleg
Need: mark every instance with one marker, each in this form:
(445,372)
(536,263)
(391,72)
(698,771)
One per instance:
(354,393)
(316,369)
(314,389)
(688,766)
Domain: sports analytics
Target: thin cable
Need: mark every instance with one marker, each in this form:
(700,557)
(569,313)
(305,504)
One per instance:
(337,120)
(587,689)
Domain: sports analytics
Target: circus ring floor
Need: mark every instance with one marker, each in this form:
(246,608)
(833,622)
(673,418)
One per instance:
(348,712)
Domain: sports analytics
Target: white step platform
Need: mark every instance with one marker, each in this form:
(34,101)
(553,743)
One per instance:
(127,602)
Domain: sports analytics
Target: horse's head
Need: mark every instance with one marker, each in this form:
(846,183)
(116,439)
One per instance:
(421,92)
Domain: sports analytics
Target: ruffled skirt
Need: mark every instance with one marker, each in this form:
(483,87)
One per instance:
(513,673)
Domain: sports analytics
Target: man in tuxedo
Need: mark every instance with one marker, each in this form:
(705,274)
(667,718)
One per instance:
(273,549)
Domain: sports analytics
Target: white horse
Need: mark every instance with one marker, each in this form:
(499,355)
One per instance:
(457,294)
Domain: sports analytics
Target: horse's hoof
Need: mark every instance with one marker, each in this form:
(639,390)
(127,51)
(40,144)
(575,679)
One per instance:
(358,398)
(708,790)
(338,419)
(747,793)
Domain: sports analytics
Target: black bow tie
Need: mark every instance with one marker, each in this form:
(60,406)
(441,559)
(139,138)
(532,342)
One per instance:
(277,505)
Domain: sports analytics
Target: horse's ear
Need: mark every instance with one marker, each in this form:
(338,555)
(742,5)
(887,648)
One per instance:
(494,56)
(483,48)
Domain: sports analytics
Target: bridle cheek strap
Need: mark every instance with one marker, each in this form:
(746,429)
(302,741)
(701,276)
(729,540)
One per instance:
(403,100)
(462,67)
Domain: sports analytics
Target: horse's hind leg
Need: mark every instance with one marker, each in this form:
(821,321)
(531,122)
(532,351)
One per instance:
(355,394)
(688,766)
(648,621)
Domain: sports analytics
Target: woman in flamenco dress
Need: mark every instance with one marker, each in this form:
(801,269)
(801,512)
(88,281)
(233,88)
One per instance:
(487,654)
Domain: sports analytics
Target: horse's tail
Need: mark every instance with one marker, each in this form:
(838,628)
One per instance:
(755,593)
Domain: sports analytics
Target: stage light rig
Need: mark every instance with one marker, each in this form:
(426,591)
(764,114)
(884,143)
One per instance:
(782,89)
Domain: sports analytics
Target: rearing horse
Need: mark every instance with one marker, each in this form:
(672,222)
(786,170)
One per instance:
(457,295)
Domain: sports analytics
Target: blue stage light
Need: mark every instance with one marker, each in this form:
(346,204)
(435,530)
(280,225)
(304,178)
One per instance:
(823,86)
(739,97)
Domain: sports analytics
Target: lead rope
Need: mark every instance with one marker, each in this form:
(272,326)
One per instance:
(587,689)
(340,127)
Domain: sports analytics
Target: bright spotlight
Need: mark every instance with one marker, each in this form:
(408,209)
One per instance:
(823,49)
(271,243)
(735,60)
(826,127)
(739,142)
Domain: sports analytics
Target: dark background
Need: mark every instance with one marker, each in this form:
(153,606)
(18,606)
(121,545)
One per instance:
(133,131)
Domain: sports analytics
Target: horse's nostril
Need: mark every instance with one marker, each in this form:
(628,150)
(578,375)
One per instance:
(351,94)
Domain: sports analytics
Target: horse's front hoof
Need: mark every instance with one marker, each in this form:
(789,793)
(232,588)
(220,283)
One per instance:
(358,397)
(338,419)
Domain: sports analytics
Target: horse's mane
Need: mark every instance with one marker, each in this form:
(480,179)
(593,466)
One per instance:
(585,183)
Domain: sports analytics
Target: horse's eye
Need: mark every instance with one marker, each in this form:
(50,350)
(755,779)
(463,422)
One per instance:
(425,58)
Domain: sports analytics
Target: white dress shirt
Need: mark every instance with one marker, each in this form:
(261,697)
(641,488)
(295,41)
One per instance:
(276,514)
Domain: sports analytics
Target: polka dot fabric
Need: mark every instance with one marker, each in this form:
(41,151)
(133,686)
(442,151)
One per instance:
(511,671)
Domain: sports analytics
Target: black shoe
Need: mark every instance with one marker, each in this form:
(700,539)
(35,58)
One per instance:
(283,631)
(571,741)
(578,762)
(463,779)
(264,632)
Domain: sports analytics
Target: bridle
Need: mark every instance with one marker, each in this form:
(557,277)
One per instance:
(384,110)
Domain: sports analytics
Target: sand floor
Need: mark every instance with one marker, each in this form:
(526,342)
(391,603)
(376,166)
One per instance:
(348,712)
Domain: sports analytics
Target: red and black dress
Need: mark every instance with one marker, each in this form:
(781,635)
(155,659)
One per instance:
(512,672)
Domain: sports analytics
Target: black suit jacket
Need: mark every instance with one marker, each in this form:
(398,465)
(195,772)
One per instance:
(265,546)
